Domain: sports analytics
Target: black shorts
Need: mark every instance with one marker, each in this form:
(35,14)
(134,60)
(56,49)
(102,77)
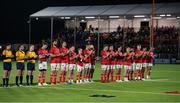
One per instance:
(20,66)
(7,66)
(30,66)
(42,70)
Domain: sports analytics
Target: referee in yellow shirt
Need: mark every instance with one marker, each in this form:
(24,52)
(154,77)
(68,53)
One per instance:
(7,56)
(31,55)
(20,58)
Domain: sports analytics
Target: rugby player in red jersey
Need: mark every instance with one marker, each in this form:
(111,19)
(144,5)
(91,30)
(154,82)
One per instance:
(54,61)
(112,62)
(104,64)
(133,66)
(127,63)
(93,62)
(43,56)
(138,61)
(119,64)
(150,62)
(80,66)
(144,62)
(87,65)
(64,59)
(72,64)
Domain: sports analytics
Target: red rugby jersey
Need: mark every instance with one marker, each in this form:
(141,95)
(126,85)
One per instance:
(104,61)
(43,52)
(127,60)
(87,52)
(93,58)
(80,60)
(138,59)
(65,58)
(54,51)
(72,59)
(118,60)
(112,59)
(150,57)
(145,58)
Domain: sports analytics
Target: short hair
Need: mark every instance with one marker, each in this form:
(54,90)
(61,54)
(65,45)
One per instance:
(31,45)
(79,49)
(54,40)
(20,45)
(7,44)
(105,45)
(44,43)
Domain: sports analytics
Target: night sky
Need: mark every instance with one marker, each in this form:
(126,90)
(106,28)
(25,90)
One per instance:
(15,13)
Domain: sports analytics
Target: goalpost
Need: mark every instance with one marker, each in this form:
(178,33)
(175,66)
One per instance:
(152,25)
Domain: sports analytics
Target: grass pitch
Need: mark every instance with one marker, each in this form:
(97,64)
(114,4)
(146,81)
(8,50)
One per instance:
(165,78)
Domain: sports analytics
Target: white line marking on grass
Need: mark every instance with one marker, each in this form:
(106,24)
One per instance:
(98,90)
(120,91)
(156,80)
(88,102)
(162,80)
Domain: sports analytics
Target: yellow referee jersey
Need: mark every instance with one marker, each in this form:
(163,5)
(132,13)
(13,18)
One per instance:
(31,55)
(7,53)
(20,56)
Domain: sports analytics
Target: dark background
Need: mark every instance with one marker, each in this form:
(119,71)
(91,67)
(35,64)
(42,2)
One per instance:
(15,13)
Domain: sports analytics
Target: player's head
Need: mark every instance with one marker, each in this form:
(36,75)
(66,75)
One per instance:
(111,47)
(91,47)
(138,47)
(144,49)
(119,48)
(132,50)
(87,46)
(105,47)
(55,43)
(128,49)
(21,48)
(64,44)
(44,45)
(80,51)
(8,46)
(31,48)
(151,49)
(72,48)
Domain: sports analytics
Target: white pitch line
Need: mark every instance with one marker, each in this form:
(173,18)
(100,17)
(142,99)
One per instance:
(88,102)
(119,91)
(98,90)
(162,80)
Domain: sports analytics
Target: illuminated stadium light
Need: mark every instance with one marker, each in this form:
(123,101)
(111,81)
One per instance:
(168,15)
(82,20)
(157,17)
(113,17)
(37,18)
(162,15)
(139,16)
(146,19)
(90,17)
(67,17)
(171,18)
(62,17)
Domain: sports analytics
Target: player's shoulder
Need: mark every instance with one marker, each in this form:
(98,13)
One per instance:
(17,52)
(54,48)
(5,50)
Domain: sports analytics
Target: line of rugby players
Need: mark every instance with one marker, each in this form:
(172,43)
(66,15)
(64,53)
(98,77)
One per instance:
(134,62)
(60,58)
(66,60)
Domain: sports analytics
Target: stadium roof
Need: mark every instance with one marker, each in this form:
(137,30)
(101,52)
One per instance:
(109,10)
